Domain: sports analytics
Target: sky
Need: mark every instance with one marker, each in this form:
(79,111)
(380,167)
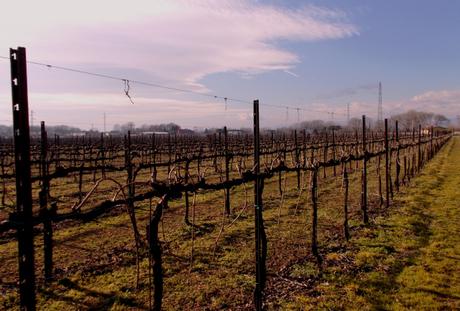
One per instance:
(318,56)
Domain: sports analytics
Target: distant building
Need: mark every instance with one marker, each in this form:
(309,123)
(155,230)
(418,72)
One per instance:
(185,132)
(427,130)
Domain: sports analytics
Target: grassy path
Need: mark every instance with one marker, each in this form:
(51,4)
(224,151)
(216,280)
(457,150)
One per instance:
(407,260)
(431,278)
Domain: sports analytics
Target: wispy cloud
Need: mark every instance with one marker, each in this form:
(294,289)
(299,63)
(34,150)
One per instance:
(291,73)
(178,41)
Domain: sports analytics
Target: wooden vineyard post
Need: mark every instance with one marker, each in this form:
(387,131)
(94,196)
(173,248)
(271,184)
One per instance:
(391,137)
(364,176)
(387,168)
(398,164)
(176,154)
(326,145)
(333,152)
(80,175)
(379,176)
(273,140)
(357,149)
(129,166)
(154,173)
(57,143)
(419,148)
(304,148)
(404,179)
(431,142)
(345,204)
(227,173)
(45,213)
(169,153)
(282,139)
(297,159)
(314,215)
(260,238)
(24,215)
(102,155)
(200,153)
(187,200)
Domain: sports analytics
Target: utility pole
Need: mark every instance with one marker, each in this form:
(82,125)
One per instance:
(104,123)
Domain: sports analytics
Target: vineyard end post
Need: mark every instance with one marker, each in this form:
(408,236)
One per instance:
(257,209)
(23,179)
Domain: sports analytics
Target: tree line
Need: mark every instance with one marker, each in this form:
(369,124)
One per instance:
(407,120)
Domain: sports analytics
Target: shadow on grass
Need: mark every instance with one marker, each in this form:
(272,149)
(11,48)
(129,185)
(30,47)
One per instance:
(104,300)
(437,293)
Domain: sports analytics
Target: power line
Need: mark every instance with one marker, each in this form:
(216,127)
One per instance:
(126,83)
(124,80)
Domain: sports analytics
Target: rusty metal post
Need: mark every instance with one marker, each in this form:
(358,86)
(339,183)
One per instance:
(23,179)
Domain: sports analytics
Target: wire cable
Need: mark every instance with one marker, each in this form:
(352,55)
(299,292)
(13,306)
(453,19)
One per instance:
(165,87)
